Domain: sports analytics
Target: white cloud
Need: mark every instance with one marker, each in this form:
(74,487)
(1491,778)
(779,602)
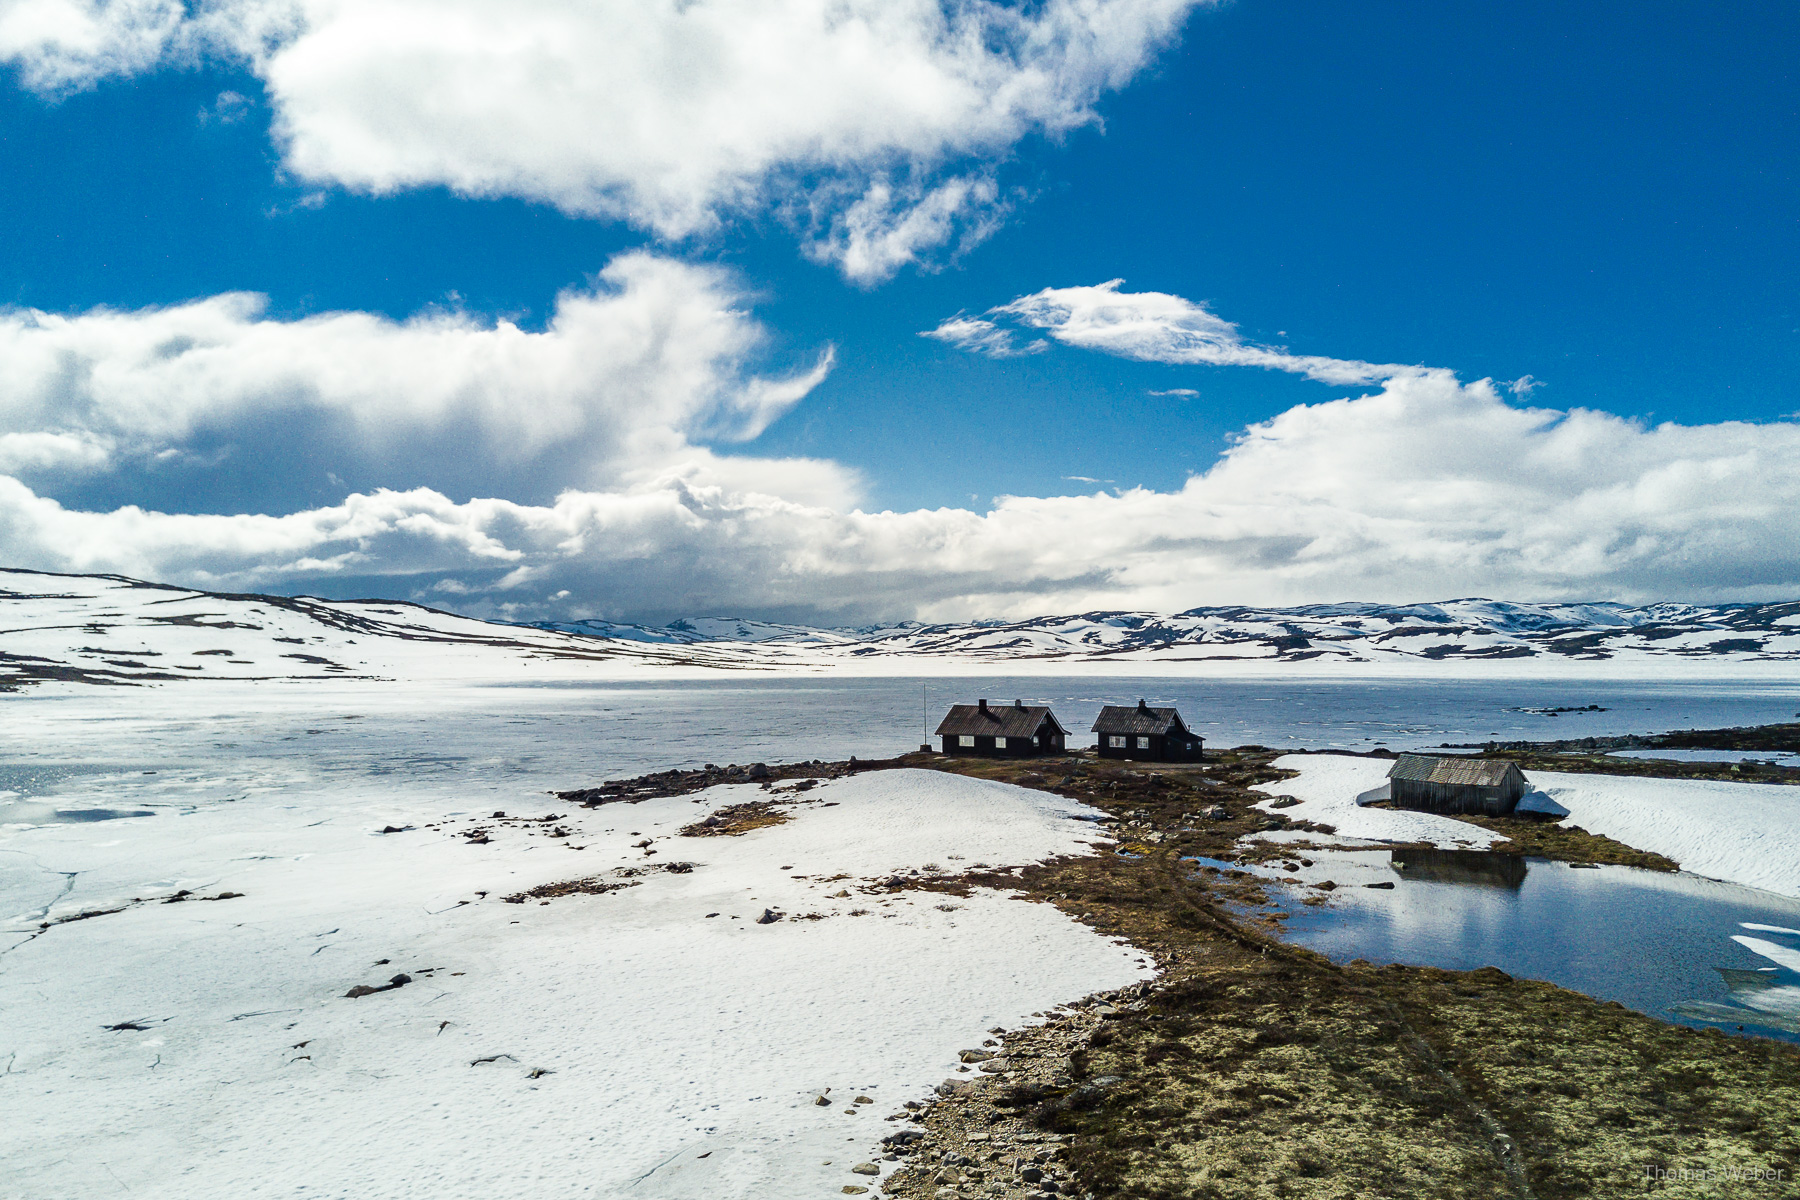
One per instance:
(670,114)
(626,379)
(49,450)
(1184,393)
(1158,327)
(1426,488)
(983,337)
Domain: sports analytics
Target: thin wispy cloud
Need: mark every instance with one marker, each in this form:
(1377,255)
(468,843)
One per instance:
(1185,393)
(1149,327)
(984,338)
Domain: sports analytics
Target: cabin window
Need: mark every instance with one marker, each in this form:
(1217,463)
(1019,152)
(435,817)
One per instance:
(999,743)
(966,739)
(1116,742)
(1143,743)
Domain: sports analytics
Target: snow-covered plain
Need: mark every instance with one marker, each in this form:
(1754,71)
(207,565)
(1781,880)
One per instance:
(619,1044)
(1744,833)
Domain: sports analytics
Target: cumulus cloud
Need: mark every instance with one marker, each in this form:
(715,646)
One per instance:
(1425,488)
(886,115)
(629,376)
(1152,327)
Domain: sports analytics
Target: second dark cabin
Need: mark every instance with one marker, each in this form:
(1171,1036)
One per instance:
(1019,731)
(1145,734)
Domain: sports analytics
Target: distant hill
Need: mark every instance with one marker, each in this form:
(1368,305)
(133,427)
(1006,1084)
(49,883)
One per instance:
(1354,633)
(107,629)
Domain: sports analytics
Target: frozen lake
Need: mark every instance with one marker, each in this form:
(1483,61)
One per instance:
(226,741)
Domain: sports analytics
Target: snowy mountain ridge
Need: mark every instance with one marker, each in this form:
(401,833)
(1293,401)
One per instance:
(107,629)
(1351,632)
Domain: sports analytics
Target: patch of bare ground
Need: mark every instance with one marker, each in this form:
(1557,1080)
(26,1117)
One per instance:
(1252,1068)
(1257,1069)
(734,819)
(1566,843)
(1592,755)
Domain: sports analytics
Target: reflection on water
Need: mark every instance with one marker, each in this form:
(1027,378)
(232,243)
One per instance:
(1482,867)
(1674,946)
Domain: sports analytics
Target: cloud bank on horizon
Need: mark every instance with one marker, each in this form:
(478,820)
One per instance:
(876,127)
(1426,486)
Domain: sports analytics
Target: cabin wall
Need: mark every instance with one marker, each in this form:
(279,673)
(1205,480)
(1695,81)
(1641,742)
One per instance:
(1016,747)
(1161,749)
(1457,798)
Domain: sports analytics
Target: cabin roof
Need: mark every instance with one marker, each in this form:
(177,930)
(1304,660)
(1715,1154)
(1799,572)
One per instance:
(1141,718)
(998,720)
(1465,772)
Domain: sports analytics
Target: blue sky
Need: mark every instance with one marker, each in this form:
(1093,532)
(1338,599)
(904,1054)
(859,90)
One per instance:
(1601,201)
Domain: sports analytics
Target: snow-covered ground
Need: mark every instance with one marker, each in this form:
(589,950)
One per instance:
(620,1044)
(1744,833)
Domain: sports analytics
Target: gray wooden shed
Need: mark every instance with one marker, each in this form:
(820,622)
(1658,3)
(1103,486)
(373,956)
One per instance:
(1456,785)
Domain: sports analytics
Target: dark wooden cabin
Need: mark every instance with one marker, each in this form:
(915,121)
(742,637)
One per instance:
(998,730)
(1145,734)
(1456,785)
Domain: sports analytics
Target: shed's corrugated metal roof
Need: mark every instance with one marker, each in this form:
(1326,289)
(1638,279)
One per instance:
(1468,772)
(998,720)
(1127,718)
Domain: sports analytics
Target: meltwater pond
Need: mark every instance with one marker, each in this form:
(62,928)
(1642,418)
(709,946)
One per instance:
(1672,945)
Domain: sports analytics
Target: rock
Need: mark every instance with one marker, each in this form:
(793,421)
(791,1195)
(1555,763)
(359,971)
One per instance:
(1327,886)
(995,1065)
(973,1056)
(850,1189)
(865,1169)
(1031,1175)
(822,1099)
(862,1100)
(759,770)
(769,917)
(1386,884)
